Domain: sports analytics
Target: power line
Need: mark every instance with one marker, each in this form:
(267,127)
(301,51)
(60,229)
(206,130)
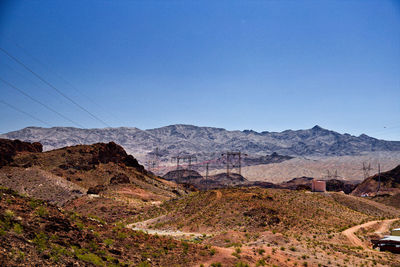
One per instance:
(61,77)
(53,87)
(23,112)
(41,103)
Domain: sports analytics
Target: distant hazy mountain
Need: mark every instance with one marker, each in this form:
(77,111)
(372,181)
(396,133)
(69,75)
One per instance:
(208,142)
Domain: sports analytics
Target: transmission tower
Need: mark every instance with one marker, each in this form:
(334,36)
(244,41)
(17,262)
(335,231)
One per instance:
(379,178)
(332,175)
(231,158)
(189,159)
(366,168)
(152,163)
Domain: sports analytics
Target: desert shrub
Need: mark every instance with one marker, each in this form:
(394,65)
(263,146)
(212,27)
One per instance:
(40,241)
(261,262)
(144,264)
(108,242)
(34,203)
(42,211)
(121,235)
(17,228)
(212,251)
(91,258)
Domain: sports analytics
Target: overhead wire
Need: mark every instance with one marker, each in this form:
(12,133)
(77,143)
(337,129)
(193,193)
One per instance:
(52,86)
(23,112)
(41,103)
(61,77)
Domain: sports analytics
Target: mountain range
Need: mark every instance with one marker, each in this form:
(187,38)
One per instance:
(208,142)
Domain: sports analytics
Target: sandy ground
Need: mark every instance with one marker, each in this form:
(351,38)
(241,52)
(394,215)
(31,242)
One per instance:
(347,167)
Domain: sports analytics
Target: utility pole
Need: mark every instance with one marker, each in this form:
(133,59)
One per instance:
(207,170)
(379,178)
(188,159)
(156,158)
(230,155)
(177,158)
(366,169)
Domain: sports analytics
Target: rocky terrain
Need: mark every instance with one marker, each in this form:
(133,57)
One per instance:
(384,183)
(332,185)
(9,148)
(91,205)
(208,143)
(300,227)
(221,180)
(35,233)
(65,176)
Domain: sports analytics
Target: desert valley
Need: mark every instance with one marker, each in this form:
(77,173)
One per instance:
(148,133)
(94,204)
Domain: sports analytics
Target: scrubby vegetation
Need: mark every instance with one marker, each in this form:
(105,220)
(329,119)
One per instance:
(256,210)
(34,232)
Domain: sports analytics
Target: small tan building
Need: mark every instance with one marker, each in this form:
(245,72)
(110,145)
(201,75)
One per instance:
(318,186)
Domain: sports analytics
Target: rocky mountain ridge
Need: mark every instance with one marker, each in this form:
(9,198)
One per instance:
(208,142)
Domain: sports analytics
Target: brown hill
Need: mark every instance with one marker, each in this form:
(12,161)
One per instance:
(93,165)
(389,184)
(9,148)
(60,176)
(221,180)
(35,233)
(333,185)
(41,184)
(182,176)
(256,209)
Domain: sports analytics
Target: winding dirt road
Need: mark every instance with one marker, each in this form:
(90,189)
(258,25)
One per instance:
(144,226)
(350,233)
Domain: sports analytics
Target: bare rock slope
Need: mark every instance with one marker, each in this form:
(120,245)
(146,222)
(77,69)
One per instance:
(208,142)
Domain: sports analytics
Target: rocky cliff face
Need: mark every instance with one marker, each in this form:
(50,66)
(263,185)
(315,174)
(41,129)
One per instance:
(9,148)
(208,142)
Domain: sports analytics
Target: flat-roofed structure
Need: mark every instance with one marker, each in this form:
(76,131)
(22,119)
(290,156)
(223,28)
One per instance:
(318,186)
(388,243)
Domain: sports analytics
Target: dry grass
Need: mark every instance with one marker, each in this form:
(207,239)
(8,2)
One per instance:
(256,210)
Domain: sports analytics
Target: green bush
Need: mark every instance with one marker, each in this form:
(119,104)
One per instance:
(91,258)
(40,241)
(17,228)
(42,211)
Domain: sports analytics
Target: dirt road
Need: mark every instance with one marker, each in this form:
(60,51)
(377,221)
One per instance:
(144,226)
(350,233)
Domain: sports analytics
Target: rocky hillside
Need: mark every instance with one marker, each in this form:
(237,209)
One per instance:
(9,148)
(64,174)
(332,185)
(257,209)
(389,183)
(35,233)
(207,142)
(193,178)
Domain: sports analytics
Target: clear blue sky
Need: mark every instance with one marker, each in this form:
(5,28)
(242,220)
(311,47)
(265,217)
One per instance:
(261,65)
